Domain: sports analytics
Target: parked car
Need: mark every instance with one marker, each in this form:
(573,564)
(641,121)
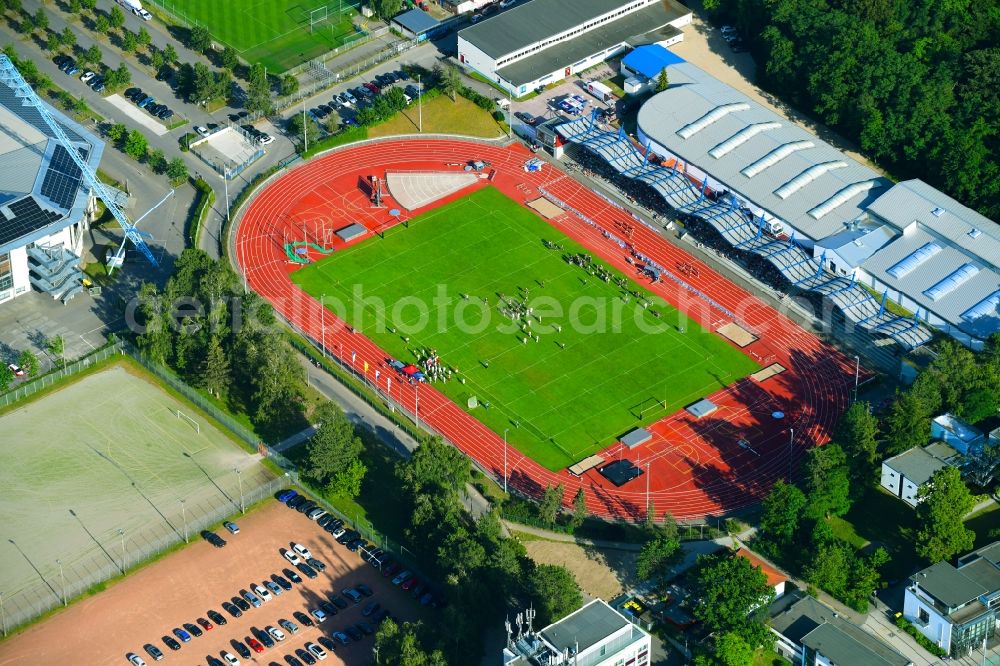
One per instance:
(352,594)
(217,617)
(390,569)
(241,648)
(364,589)
(353,633)
(143,14)
(285,495)
(165,114)
(306,570)
(273,587)
(320,614)
(292,576)
(201,130)
(241,603)
(341,638)
(316,650)
(337,600)
(262,592)
(276,634)
(316,564)
(154,652)
(303,619)
(183,635)
(97,85)
(16,369)
(192,629)
(230,658)
(328,608)
(232,527)
(255,645)
(305,656)
(263,637)
(402,577)
(408,583)
(265,139)
(171,643)
(130,93)
(251,598)
(365,628)
(370,608)
(86,76)
(291,556)
(145,101)
(205,624)
(301,550)
(135,659)
(327,643)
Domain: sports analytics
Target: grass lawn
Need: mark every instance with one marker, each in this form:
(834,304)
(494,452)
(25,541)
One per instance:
(273,32)
(441,115)
(883,520)
(769,658)
(612,365)
(983,523)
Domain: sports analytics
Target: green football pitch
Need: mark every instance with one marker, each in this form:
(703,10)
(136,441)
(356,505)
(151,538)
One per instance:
(602,364)
(275,33)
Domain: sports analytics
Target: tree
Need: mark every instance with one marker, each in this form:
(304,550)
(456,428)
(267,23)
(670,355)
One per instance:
(116,18)
(68,37)
(119,77)
(579,507)
(258,90)
(449,80)
(199,40)
(176,169)
(74,7)
(199,83)
(157,161)
(28,362)
(53,43)
(229,57)
(830,566)
(554,592)
(143,37)
(130,42)
(156,59)
(117,132)
(89,5)
(731,589)
(57,347)
(551,502)
(91,55)
(386,9)
(656,557)
(136,145)
(303,128)
(435,467)
(290,85)
(41,20)
(170,53)
(214,372)
(334,452)
(6,378)
(907,425)
(402,646)
(781,511)
(857,434)
(944,502)
(827,481)
(662,83)
(731,649)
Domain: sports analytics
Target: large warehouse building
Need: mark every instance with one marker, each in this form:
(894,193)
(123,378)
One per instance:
(544,41)
(825,221)
(45,206)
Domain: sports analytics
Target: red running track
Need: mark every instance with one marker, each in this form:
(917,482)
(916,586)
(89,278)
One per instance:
(694,467)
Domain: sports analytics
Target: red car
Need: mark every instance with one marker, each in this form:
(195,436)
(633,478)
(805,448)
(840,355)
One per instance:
(409,583)
(374,88)
(205,624)
(255,645)
(390,570)
(16,369)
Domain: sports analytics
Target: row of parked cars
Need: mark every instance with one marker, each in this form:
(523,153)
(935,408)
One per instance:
(69,66)
(149,103)
(364,94)
(354,542)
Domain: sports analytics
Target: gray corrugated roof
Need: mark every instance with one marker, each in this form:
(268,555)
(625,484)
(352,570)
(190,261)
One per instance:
(984,573)
(693,94)
(623,29)
(950,306)
(416,21)
(916,465)
(948,585)
(532,22)
(842,646)
(856,245)
(587,626)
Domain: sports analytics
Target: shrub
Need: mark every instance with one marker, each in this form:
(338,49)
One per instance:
(924,642)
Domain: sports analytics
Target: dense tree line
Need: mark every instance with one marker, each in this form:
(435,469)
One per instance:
(481,574)
(916,84)
(204,327)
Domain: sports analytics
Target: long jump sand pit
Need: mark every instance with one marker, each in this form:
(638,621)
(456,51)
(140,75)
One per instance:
(96,472)
(739,336)
(100,630)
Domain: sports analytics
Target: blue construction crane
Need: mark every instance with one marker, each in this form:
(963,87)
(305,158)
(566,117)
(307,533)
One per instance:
(13,79)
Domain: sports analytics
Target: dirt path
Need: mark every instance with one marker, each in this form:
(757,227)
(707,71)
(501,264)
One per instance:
(602,573)
(704,47)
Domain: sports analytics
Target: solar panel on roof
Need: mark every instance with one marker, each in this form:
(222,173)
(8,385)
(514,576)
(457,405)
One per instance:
(62,178)
(28,216)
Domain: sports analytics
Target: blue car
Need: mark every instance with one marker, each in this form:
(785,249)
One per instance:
(146,101)
(183,635)
(286,495)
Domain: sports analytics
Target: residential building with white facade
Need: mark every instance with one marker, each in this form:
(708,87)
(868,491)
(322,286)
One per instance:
(904,474)
(956,606)
(544,41)
(45,205)
(595,635)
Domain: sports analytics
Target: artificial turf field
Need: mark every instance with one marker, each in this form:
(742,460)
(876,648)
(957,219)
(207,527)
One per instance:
(562,398)
(272,32)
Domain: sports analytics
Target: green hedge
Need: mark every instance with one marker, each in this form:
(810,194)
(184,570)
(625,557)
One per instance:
(924,642)
(205,201)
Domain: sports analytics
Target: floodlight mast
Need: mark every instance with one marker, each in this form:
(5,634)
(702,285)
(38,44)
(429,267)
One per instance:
(11,77)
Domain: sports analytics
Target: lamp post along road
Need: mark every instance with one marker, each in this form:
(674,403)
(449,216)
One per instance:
(184,518)
(239,477)
(121,533)
(62,582)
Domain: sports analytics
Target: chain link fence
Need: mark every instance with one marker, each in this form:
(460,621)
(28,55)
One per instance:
(29,388)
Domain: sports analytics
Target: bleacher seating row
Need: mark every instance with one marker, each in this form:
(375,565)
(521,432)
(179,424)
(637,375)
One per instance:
(793,261)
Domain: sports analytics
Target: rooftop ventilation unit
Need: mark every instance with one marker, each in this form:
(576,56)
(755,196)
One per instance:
(937,212)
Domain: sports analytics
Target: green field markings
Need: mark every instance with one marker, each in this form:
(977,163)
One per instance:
(272,32)
(568,394)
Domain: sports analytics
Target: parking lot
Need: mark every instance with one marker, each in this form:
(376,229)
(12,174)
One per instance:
(182,587)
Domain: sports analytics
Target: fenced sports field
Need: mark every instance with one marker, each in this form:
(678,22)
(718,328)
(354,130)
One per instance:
(277,33)
(101,475)
(601,364)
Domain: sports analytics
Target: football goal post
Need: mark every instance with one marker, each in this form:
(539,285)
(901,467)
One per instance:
(317,16)
(184,417)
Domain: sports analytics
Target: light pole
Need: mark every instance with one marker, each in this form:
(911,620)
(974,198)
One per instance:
(121,533)
(305,134)
(185,519)
(420,105)
(62,582)
(857,374)
(791,439)
(505,460)
(648,474)
(239,477)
